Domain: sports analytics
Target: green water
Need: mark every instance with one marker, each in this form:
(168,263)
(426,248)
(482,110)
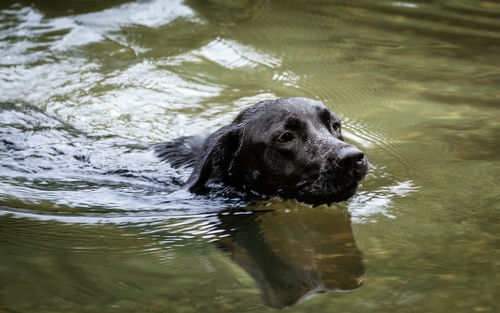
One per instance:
(91,222)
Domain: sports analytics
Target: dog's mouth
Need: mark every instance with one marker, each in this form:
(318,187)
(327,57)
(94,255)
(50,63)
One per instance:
(329,187)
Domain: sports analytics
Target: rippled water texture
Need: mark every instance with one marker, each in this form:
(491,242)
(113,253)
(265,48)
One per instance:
(90,221)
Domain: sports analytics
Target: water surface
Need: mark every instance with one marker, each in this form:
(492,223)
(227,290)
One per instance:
(90,221)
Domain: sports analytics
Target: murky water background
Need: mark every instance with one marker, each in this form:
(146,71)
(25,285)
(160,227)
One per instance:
(90,221)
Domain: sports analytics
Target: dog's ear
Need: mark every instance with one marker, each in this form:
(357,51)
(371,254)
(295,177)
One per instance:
(221,151)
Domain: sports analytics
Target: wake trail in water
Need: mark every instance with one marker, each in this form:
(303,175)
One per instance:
(56,169)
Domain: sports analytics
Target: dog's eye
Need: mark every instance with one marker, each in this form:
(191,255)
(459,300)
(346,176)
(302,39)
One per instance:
(336,126)
(285,137)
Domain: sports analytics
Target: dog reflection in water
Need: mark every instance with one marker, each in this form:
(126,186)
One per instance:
(293,254)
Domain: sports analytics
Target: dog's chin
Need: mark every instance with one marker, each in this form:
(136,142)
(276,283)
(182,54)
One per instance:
(327,195)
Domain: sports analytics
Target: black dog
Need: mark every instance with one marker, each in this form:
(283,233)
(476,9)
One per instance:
(288,147)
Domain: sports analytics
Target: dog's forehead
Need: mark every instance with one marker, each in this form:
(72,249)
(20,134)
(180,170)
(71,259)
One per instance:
(296,107)
(299,105)
(268,114)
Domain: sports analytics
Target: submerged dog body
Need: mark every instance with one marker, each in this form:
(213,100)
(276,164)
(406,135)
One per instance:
(289,147)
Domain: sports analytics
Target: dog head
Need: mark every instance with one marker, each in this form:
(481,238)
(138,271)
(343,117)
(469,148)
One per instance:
(288,147)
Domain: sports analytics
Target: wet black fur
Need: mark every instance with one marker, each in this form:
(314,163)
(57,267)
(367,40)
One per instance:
(316,166)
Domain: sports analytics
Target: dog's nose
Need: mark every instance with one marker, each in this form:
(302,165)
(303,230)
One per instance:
(350,157)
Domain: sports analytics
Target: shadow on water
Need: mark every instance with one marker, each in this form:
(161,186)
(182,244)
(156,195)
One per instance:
(293,252)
